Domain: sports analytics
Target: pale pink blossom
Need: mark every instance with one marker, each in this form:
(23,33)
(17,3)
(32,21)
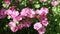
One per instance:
(37,25)
(8,12)
(32,13)
(14,14)
(28,12)
(42,11)
(54,3)
(23,12)
(11,13)
(13,26)
(39,12)
(42,30)
(14,29)
(17,18)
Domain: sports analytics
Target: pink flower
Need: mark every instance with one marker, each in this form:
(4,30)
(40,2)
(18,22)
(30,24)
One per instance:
(37,25)
(54,3)
(44,20)
(14,29)
(17,18)
(20,26)
(28,12)
(23,12)
(32,14)
(26,23)
(11,13)
(13,26)
(8,12)
(39,12)
(14,14)
(7,2)
(2,13)
(43,0)
(12,8)
(42,11)
(41,30)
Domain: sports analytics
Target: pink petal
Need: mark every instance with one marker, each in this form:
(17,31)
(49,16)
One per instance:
(17,18)
(37,25)
(20,26)
(41,30)
(8,12)
(14,29)
(54,3)
(12,24)
(14,14)
(26,23)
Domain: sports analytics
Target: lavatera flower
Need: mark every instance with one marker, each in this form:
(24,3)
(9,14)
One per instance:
(42,11)
(37,25)
(27,12)
(42,30)
(13,26)
(54,3)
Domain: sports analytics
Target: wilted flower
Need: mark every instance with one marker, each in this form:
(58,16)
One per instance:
(26,23)
(20,26)
(2,13)
(12,8)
